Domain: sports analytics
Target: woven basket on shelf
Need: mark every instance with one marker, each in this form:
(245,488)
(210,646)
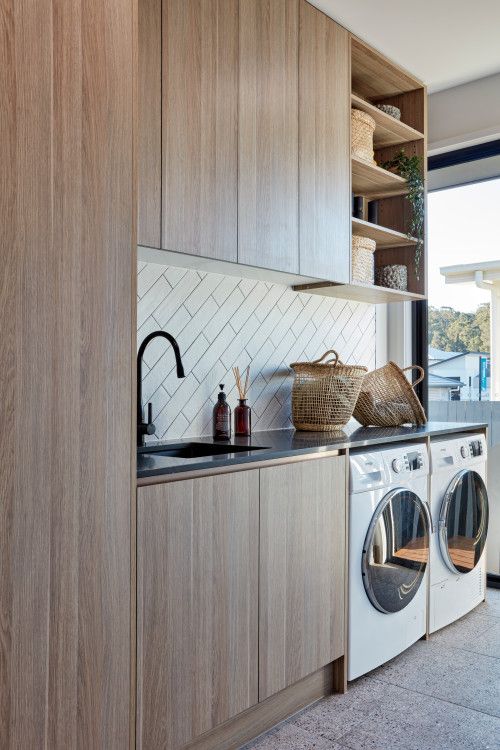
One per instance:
(362,129)
(387,398)
(363,262)
(324,393)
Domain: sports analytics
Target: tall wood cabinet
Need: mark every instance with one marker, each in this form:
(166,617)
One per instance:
(197,606)
(66,322)
(302,553)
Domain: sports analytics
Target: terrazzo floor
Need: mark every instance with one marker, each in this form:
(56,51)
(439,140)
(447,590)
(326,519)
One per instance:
(441,694)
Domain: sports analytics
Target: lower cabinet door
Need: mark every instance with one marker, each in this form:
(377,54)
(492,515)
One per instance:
(197,605)
(302,562)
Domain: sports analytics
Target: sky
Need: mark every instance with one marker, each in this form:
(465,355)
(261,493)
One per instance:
(460,222)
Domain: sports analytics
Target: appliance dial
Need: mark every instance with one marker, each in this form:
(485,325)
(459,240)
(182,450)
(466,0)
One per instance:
(464,452)
(397,465)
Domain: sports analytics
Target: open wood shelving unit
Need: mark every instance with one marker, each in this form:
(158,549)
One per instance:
(377,80)
(374,80)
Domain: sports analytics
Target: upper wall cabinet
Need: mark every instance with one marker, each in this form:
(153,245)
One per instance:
(199,127)
(268,134)
(245,144)
(324,126)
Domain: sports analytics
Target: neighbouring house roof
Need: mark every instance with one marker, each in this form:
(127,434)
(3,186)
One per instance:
(438,381)
(457,356)
(439,354)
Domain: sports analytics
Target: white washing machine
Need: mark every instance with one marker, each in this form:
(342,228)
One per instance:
(389,530)
(459,508)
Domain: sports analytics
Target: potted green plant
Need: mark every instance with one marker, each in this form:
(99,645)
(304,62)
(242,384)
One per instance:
(410,168)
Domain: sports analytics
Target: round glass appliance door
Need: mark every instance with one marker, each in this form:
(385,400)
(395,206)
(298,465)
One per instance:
(463,522)
(396,551)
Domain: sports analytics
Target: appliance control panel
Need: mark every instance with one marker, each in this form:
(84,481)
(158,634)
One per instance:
(407,462)
(383,467)
(449,454)
(472,449)
(476,448)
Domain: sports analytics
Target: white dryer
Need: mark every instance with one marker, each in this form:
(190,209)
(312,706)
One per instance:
(459,508)
(389,530)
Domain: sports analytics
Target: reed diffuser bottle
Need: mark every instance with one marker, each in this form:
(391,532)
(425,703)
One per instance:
(242,413)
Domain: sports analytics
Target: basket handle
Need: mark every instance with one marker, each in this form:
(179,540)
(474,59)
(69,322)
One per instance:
(333,359)
(421,371)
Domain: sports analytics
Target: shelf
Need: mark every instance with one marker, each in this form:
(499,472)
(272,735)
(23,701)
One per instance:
(388,130)
(357,292)
(374,182)
(383,237)
(374,75)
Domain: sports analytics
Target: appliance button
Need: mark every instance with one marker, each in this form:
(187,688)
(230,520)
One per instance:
(397,465)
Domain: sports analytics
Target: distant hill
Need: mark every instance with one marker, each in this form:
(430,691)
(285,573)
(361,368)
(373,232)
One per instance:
(454,331)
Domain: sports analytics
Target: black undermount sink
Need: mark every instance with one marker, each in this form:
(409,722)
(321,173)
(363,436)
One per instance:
(199,450)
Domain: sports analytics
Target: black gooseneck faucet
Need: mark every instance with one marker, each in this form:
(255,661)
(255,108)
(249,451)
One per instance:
(148,428)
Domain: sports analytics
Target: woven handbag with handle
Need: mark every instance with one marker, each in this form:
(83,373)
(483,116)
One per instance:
(324,392)
(387,398)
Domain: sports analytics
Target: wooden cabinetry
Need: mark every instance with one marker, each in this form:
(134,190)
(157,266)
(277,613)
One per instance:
(199,127)
(66,316)
(324,117)
(268,134)
(197,606)
(302,566)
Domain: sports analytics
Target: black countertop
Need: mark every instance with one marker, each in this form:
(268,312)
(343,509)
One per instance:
(275,444)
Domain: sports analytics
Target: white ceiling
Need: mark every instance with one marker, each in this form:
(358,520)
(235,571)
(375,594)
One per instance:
(442,42)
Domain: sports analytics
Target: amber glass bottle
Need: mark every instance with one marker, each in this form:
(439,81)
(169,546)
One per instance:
(222,417)
(243,419)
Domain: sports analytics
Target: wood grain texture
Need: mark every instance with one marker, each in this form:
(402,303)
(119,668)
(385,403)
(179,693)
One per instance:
(200,94)
(66,208)
(268,134)
(197,606)
(376,77)
(149,123)
(302,567)
(324,126)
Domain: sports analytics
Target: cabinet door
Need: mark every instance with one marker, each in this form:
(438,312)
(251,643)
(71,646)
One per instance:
(268,134)
(149,124)
(302,568)
(197,606)
(325,162)
(199,127)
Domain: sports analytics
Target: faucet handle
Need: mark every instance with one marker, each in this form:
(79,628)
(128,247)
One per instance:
(150,428)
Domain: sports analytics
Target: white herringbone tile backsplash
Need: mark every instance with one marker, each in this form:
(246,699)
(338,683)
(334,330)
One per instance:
(222,321)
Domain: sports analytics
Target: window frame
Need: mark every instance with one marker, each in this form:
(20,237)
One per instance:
(420,310)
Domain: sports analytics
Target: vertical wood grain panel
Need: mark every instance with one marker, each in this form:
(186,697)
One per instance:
(197,606)
(149,124)
(268,134)
(200,85)
(324,132)
(302,559)
(65,355)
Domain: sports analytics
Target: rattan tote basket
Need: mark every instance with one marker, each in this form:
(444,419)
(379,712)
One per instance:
(362,129)
(387,398)
(325,392)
